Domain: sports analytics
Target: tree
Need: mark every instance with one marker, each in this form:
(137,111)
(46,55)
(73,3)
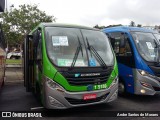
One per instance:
(132,23)
(98,27)
(18,22)
(114,25)
(101,27)
(139,25)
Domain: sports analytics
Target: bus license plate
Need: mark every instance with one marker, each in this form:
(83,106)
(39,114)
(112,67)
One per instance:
(89,96)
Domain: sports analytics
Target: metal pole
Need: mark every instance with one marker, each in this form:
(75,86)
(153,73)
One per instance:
(6,6)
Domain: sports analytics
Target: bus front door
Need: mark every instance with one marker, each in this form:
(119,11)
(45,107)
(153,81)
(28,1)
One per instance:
(124,54)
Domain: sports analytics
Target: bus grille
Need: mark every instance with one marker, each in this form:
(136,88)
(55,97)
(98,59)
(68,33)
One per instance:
(81,101)
(86,80)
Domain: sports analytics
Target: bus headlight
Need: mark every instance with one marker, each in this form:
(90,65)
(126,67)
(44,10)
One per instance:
(54,85)
(143,73)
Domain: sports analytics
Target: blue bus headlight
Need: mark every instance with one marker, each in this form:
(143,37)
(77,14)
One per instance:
(143,73)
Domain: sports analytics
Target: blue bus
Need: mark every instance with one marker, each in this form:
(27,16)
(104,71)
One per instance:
(138,55)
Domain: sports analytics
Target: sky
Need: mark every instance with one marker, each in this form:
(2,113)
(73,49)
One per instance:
(101,12)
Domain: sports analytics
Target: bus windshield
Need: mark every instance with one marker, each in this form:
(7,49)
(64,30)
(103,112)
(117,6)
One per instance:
(62,44)
(146,45)
(157,37)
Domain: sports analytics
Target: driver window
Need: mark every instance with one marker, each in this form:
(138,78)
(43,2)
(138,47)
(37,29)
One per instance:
(124,50)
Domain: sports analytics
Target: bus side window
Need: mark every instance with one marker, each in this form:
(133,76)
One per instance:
(120,50)
(39,48)
(37,45)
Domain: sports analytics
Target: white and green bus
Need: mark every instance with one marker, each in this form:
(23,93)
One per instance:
(69,66)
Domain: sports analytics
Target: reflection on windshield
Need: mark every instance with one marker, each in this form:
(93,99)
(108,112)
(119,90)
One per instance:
(157,37)
(62,44)
(146,45)
(100,46)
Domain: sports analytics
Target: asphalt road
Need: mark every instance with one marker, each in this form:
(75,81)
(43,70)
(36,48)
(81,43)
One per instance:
(13,97)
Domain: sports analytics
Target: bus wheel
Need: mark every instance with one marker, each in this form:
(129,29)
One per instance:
(121,88)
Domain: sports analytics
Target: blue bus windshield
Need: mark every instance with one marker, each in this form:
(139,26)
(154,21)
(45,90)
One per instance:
(146,45)
(157,36)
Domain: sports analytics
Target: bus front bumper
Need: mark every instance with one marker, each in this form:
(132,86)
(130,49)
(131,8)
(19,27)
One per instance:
(62,99)
(146,84)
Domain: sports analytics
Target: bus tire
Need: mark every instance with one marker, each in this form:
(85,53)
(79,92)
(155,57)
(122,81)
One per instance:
(121,88)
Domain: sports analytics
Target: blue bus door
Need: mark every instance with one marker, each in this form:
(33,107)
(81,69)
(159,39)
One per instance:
(125,57)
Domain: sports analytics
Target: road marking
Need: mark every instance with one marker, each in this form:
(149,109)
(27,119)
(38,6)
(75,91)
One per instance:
(35,108)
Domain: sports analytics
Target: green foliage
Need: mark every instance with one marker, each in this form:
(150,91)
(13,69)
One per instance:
(18,22)
(101,27)
(132,23)
(114,25)
(98,27)
(139,25)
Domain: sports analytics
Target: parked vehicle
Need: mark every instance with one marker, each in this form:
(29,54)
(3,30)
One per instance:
(138,55)
(69,66)
(14,55)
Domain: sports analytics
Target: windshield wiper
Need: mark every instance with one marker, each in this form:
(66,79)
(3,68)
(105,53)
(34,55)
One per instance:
(79,48)
(95,53)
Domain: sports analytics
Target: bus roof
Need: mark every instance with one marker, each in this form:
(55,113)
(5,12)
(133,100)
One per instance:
(65,25)
(128,29)
(62,25)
